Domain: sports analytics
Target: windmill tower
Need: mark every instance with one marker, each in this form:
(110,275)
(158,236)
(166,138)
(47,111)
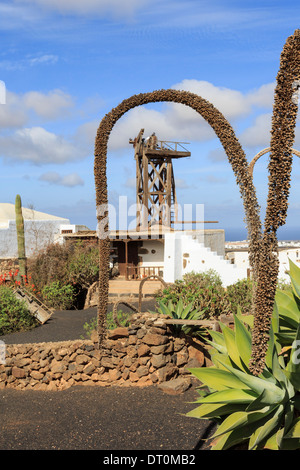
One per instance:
(155,182)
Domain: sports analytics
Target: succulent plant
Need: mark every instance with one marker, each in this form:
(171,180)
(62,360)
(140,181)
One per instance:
(20,237)
(179,311)
(262,411)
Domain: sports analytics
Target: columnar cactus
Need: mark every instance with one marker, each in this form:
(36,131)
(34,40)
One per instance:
(20,237)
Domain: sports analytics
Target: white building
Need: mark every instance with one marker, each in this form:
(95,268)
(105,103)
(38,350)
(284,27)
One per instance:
(169,254)
(237,254)
(40,230)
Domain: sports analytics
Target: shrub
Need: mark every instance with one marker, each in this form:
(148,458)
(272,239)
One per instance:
(75,264)
(14,315)
(240,296)
(83,264)
(48,265)
(203,290)
(58,295)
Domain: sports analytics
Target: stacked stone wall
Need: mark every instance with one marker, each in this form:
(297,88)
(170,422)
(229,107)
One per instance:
(145,353)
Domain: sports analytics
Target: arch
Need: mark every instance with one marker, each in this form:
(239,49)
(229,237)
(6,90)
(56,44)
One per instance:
(115,310)
(142,285)
(231,145)
(263,152)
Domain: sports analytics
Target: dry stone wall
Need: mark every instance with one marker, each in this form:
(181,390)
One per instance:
(145,353)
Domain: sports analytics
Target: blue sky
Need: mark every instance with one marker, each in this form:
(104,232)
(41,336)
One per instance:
(66,63)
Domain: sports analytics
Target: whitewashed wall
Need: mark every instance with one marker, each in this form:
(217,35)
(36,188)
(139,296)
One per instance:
(154,255)
(38,234)
(183,254)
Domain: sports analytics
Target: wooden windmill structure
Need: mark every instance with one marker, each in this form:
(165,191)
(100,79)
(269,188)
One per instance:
(155,182)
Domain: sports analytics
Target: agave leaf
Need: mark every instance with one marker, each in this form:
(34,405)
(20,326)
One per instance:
(292,370)
(241,418)
(271,443)
(269,428)
(186,311)
(296,402)
(220,359)
(214,410)
(222,349)
(230,396)
(234,437)
(163,308)
(265,398)
(287,305)
(295,277)
(277,370)
(233,421)
(290,444)
(242,340)
(270,350)
(258,385)
(289,414)
(294,432)
(248,319)
(217,379)
(231,346)
(179,308)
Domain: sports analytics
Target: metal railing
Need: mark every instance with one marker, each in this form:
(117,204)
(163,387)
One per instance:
(170,145)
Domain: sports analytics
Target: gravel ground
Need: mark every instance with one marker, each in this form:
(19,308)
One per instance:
(96,418)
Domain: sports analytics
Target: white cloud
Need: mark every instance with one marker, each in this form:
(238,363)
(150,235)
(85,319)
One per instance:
(86,133)
(90,7)
(16,112)
(50,105)
(263,96)
(70,180)
(12,115)
(231,103)
(44,59)
(28,61)
(38,146)
(258,135)
(177,122)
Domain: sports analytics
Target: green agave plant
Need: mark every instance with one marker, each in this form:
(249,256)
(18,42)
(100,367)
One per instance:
(262,411)
(179,311)
(287,305)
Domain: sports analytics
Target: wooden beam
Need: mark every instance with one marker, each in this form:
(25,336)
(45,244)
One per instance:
(197,222)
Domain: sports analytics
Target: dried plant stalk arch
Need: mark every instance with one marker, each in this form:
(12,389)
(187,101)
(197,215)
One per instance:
(152,276)
(234,152)
(263,152)
(263,246)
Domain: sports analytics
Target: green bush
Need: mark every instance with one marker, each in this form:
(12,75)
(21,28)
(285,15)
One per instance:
(48,265)
(83,264)
(203,290)
(71,264)
(240,296)
(14,315)
(59,296)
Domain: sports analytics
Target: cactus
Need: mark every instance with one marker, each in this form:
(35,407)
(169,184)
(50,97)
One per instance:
(20,237)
